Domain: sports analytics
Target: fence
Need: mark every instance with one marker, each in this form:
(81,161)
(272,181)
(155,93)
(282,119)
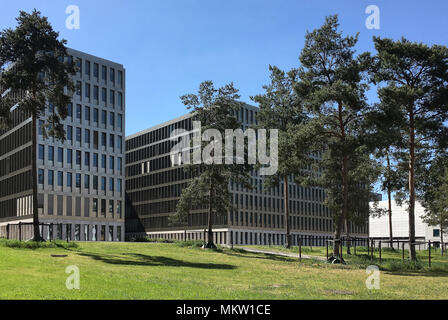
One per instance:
(25,231)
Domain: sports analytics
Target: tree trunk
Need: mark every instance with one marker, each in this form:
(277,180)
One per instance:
(412,253)
(441,236)
(286,203)
(210,244)
(389,197)
(37,236)
(347,232)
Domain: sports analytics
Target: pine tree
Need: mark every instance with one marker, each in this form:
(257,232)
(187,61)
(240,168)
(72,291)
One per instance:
(34,66)
(413,91)
(209,186)
(281,108)
(333,84)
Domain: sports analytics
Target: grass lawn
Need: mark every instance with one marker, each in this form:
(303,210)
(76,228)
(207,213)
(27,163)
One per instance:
(169,271)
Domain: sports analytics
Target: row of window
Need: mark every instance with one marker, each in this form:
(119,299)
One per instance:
(95,160)
(115,184)
(83,232)
(113,123)
(96,70)
(114,99)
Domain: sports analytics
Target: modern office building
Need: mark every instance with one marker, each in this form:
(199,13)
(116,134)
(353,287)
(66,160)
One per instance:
(379,226)
(154,185)
(80,180)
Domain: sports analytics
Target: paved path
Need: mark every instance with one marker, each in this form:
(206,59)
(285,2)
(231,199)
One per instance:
(278,253)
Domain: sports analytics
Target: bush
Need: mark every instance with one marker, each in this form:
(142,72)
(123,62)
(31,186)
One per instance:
(190,243)
(37,245)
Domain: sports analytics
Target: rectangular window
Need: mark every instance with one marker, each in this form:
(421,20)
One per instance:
(120,100)
(119,143)
(50,177)
(120,79)
(104,73)
(87,113)
(40,176)
(95,115)
(41,152)
(95,92)
(111,163)
(111,141)
(95,160)
(60,179)
(87,90)
(95,70)
(78,180)
(70,110)
(112,97)
(69,156)
(103,94)
(69,133)
(104,117)
(40,127)
(78,134)
(111,184)
(50,153)
(112,119)
(119,185)
(119,165)
(120,122)
(78,157)
(86,136)
(103,161)
(60,154)
(111,233)
(87,67)
(95,182)
(103,183)
(69,179)
(112,75)
(87,159)
(78,88)
(103,139)
(78,112)
(86,181)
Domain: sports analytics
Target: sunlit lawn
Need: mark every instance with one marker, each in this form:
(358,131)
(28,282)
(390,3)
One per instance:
(168,271)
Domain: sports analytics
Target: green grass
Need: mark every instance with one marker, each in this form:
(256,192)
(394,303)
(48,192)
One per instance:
(184,271)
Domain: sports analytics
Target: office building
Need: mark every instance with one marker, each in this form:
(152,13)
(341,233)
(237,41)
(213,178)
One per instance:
(154,185)
(80,180)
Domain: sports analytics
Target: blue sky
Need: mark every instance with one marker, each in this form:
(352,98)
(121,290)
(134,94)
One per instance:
(168,47)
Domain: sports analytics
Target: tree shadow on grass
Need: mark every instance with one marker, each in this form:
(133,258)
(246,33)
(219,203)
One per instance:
(137,259)
(240,253)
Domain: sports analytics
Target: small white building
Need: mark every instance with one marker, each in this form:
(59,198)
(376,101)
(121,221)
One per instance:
(379,227)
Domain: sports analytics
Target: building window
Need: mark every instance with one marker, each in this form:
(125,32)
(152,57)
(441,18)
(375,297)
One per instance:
(87,67)
(95,182)
(87,159)
(119,185)
(119,209)
(118,236)
(112,119)
(87,90)
(69,179)
(77,232)
(50,153)
(86,232)
(94,231)
(50,177)
(111,163)
(86,181)
(78,88)
(78,112)
(95,70)
(78,180)
(120,122)
(112,75)
(41,151)
(95,160)
(40,176)
(69,133)
(69,156)
(111,184)
(87,113)
(78,134)
(103,232)
(112,97)
(60,178)
(103,139)
(436,232)
(103,117)
(104,73)
(120,78)
(111,141)
(86,135)
(111,207)
(78,157)
(95,92)
(103,183)
(120,100)
(103,94)
(111,233)
(70,110)
(60,154)
(103,161)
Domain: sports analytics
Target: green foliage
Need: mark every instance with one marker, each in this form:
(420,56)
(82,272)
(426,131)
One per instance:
(34,64)
(37,244)
(209,186)
(333,84)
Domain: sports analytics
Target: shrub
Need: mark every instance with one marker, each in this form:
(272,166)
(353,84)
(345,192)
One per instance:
(37,245)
